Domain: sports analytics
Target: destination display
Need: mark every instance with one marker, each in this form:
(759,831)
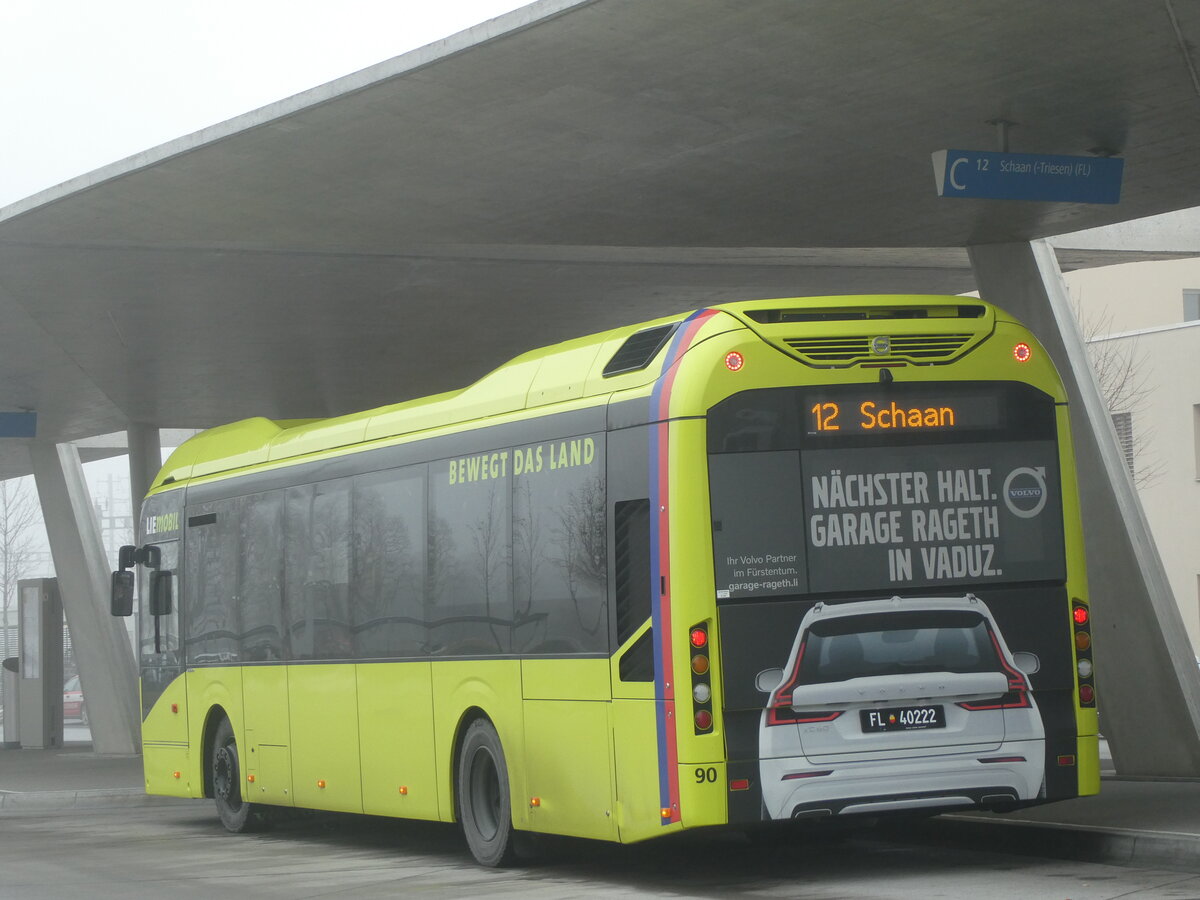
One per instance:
(873,411)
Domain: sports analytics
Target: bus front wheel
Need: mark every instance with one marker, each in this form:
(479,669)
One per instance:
(236,814)
(484,807)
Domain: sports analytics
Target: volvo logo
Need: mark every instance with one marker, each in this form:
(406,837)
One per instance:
(1025,491)
(881,345)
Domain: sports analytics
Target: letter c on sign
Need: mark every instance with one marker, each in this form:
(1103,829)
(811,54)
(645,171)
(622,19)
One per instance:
(954,181)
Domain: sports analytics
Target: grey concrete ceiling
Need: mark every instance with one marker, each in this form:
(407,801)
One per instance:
(567,168)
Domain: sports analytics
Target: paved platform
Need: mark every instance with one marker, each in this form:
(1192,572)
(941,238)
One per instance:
(1147,823)
(68,777)
(1131,822)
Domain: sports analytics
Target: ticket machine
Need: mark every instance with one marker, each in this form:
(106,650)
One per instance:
(40,685)
(10,671)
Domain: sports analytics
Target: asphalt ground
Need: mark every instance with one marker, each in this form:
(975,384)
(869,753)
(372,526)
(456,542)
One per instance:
(179,850)
(1132,822)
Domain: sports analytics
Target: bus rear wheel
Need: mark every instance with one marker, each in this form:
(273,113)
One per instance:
(236,814)
(484,806)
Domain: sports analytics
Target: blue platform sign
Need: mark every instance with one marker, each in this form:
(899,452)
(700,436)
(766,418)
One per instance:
(18,424)
(1027,176)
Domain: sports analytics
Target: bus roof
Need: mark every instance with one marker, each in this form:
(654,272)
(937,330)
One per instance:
(572,370)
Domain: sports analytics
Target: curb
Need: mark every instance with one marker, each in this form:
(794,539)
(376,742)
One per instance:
(42,801)
(1114,846)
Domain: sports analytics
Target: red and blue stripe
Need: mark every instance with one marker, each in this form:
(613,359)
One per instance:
(660,565)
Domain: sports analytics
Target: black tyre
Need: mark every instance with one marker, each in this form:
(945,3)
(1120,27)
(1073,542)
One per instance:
(484,807)
(236,814)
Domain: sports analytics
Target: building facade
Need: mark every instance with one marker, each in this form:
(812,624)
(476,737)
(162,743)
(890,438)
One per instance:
(1142,324)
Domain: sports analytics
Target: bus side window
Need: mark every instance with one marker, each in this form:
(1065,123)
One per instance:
(631,533)
(162,593)
(559,550)
(637,663)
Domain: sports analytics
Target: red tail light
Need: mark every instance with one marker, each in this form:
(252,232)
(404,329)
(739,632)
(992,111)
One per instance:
(702,693)
(1080,617)
(1011,700)
(783,714)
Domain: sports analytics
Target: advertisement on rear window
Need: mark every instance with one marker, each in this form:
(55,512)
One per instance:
(811,494)
(889,572)
(897,703)
(816,521)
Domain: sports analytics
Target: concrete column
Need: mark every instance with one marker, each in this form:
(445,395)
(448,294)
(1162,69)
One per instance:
(1148,687)
(102,651)
(145,459)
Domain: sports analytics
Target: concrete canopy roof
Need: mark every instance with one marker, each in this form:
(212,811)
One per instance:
(563,169)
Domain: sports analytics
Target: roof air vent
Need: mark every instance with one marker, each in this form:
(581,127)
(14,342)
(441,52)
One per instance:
(639,349)
(850,314)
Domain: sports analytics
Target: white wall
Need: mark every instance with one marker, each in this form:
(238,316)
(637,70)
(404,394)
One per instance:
(1142,306)
(1134,296)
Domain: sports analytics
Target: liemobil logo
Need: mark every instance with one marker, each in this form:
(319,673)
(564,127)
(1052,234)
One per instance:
(881,345)
(1025,491)
(161,523)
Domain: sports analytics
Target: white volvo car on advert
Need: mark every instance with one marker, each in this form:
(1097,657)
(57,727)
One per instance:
(899,704)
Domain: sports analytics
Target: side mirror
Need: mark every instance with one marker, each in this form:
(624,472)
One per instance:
(149,556)
(121,599)
(126,557)
(160,593)
(768,679)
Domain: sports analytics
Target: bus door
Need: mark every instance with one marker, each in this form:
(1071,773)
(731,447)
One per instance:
(163,693)
(158,620)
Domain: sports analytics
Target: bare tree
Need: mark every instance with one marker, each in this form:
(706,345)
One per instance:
(528,542)
(20,516)
(583,534)
(487,534)
(1121,368)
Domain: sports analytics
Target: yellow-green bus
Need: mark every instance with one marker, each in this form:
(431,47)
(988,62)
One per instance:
(773,561)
